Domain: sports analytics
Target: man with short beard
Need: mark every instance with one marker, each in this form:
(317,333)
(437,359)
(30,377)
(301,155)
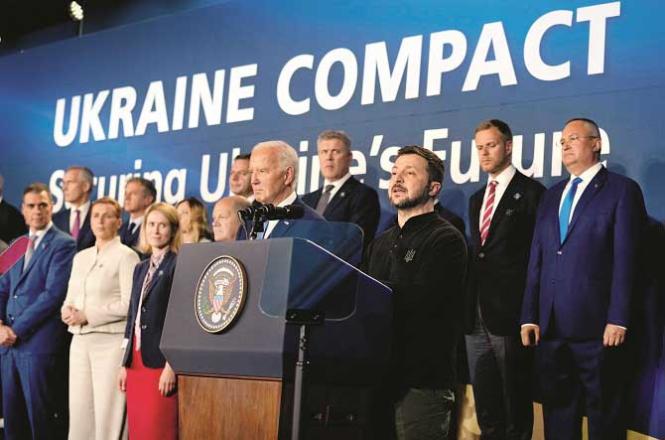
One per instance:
(423,259)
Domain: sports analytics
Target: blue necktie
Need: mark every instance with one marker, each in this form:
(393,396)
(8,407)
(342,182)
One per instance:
(566,206)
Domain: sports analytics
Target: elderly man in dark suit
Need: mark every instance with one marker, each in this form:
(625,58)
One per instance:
(33,340)
(502,215)
(343,198)
(274,167)
(577,302)
(12,223)
(74,220)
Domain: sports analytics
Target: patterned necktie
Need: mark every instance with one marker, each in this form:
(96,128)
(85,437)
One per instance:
(566,208)
(30,251)
(76,228)
(487,212)
(146,282)
(325,198)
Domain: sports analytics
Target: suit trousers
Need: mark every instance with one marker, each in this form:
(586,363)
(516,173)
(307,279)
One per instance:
(34,391)
(499,369)
(578,377)
(96,405)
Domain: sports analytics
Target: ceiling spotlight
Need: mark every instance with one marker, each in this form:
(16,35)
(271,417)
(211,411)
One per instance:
(76,11)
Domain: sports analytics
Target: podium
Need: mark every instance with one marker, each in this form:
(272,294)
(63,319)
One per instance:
(238,383)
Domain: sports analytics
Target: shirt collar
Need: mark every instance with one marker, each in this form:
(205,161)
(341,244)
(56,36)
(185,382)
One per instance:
(39,235)
(83,209)
(417,222)
(289,200)
(504,177)
(589,174)
(337,183)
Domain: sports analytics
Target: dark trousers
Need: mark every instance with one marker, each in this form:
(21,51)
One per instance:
(34,392)
(500,372)
(578,377)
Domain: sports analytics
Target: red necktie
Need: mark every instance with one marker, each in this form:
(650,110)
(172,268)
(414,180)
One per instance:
(77,225)
(487,213)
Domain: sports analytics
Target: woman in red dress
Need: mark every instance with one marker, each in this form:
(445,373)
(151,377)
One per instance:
(146,376)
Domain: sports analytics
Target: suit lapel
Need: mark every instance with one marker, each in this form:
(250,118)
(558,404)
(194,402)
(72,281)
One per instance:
(589,193)
(555,201)
(41,249)
(508,199)
(340,195)
(474,215)
(159,272)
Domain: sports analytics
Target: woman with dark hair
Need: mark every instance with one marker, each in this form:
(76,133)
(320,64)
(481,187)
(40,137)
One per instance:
(193,221)
(146,376)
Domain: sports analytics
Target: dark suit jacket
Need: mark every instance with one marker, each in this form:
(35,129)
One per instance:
(131,240)
(86,238)
(30,299)
(497,272)
(451,217)
(355,202)
(153,311)
(12,223)
(587,281)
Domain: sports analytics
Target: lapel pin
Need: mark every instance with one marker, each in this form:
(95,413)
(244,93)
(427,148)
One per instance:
(509,212)
(342,194)
(409,255)
(286,222)
(517,196)
(161,272)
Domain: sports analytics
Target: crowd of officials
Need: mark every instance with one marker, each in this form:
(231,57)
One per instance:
(550,268)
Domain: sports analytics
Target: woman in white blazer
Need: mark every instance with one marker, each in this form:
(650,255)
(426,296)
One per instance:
(96,312)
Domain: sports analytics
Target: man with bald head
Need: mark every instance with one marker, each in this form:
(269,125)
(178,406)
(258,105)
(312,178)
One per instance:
(274,167)
(225,220)
(581,275)
(74,219)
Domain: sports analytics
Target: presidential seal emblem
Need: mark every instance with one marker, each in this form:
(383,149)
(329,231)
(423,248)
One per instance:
(220,294)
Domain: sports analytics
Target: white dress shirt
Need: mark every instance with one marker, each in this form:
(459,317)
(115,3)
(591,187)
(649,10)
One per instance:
(83,209)
(502,181)
(272,223)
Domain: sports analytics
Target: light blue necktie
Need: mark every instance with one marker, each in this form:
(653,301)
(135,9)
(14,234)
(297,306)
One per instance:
(564,214)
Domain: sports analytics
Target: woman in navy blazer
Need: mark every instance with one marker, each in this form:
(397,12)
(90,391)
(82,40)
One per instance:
(146,376)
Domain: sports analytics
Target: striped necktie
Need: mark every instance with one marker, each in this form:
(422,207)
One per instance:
(487,212)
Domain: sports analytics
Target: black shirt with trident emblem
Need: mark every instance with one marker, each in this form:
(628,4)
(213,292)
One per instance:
(425,264)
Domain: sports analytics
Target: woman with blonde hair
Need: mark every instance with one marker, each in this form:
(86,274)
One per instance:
(193,221)
(95,310)
(146,376)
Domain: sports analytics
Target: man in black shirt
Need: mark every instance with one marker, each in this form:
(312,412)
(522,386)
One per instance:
(423,259)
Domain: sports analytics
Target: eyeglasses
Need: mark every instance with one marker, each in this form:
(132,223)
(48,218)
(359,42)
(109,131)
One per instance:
(575,138)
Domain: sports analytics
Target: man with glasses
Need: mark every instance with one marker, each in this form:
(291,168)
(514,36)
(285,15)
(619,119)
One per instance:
(582,271)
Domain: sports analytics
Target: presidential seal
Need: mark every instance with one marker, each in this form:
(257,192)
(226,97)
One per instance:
(220,294)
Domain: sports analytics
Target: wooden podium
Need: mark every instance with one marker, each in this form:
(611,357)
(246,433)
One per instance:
(249,408)
(238,383)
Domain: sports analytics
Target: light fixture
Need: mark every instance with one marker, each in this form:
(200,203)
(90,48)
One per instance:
(76,11)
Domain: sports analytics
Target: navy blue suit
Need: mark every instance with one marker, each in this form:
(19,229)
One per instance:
(34,369)
(354,202)
(153,311)
(128,238)
(86,238)
(574,289)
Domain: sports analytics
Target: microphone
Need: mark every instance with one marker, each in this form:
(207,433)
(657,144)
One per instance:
(272,212)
